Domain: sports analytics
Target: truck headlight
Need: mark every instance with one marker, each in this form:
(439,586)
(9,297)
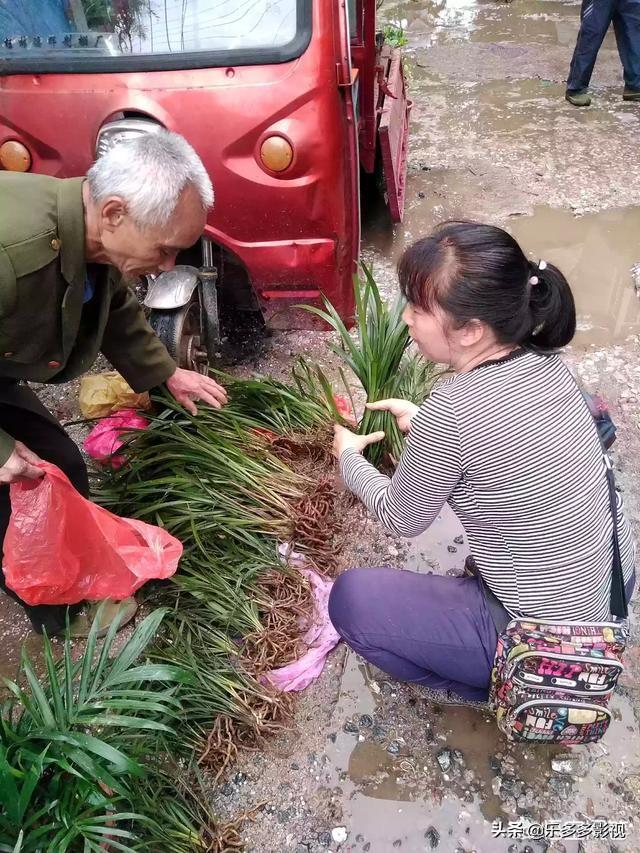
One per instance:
(113,132)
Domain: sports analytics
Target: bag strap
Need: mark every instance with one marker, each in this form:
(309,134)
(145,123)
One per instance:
(618,602)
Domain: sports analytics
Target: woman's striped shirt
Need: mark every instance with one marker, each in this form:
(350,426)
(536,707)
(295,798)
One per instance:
(513,449)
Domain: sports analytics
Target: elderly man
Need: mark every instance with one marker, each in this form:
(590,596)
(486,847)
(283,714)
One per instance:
(61,304)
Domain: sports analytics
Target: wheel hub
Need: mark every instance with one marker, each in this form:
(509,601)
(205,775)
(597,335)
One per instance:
(194,355)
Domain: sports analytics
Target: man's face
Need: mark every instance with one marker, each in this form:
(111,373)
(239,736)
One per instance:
(136,252)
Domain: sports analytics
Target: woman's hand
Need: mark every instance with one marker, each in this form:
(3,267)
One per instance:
(344,438)
(402,410)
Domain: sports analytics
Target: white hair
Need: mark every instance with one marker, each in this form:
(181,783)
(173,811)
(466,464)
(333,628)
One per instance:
(149,173)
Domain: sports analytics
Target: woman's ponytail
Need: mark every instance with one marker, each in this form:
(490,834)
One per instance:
(553,311)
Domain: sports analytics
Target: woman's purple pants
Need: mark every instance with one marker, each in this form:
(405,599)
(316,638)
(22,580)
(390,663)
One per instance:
(427,629)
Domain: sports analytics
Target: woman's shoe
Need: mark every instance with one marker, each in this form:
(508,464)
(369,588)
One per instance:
(578,99)
(81,625)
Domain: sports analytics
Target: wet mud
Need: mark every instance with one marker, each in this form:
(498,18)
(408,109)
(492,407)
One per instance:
(15,631)
(599,253)
(411,770)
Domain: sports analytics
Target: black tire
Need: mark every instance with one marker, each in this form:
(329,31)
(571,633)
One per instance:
(179,331)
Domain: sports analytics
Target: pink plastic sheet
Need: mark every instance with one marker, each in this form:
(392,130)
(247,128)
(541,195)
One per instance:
(320,638)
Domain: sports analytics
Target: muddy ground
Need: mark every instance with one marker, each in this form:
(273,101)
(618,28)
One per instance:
(371,765)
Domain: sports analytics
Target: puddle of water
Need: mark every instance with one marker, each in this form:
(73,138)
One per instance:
(596,253)
(544,22)
(391,798)
(387,798)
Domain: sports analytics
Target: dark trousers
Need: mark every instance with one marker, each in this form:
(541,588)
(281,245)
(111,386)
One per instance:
(595,18)
(24,417)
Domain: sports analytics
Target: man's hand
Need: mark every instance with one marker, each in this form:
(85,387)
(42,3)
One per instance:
(343,438)
(188,387)
(21,465)
(402,410)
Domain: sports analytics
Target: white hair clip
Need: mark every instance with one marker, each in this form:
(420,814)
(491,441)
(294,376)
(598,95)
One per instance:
(542,265)
(534,280)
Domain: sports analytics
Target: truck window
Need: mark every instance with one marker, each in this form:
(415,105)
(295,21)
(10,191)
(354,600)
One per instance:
(109,35)
(352,12)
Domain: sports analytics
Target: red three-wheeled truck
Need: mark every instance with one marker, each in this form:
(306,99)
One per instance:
(286,101)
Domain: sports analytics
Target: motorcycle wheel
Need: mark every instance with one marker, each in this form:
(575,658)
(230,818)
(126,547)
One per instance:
(180,331)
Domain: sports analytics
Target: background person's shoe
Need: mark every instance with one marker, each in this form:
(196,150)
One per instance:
(81,626)
(578,99)
(631,94)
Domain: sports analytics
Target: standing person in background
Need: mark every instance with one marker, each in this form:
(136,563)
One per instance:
(595,18)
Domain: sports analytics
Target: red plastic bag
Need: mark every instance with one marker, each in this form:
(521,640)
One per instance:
(103,442)
(61,549)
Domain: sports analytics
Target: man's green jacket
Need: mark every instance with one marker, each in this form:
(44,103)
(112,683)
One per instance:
(53,323)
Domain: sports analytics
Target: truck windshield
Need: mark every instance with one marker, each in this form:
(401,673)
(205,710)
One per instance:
(72,35)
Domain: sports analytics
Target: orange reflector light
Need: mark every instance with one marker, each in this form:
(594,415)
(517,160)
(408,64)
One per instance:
(276,153)
(14,156)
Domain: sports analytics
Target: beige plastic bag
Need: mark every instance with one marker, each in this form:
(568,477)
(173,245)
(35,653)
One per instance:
(101,394)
